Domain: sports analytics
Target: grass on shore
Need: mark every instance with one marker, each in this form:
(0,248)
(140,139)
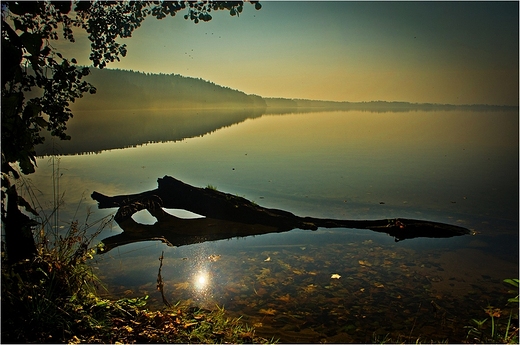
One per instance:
(53,298)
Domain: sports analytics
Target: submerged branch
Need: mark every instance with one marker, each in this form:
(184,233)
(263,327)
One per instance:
(229,216)
(160,283)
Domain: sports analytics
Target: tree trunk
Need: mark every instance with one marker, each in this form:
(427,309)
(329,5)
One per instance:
(19,240)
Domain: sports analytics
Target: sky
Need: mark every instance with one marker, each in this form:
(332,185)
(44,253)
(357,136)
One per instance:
(419,52)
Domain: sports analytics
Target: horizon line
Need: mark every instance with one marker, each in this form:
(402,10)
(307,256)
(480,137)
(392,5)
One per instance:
(308,99)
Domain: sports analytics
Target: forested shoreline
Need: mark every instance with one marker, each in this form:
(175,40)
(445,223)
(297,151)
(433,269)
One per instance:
(124,90)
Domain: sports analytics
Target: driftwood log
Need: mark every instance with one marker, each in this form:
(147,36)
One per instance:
(228,216)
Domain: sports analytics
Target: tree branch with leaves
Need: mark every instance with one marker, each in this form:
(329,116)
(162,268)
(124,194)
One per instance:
(39,83)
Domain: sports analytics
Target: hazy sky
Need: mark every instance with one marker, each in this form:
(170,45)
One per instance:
(439,52)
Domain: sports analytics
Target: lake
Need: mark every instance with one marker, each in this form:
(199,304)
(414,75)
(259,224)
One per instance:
(331,285)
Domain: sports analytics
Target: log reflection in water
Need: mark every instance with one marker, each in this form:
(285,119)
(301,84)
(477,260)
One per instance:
(229,216)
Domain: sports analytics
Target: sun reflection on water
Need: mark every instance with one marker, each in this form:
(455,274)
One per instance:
(202,287)
(202,280)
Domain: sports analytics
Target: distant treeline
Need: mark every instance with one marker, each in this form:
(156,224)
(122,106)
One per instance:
(284,104)
(120,90)
(128,90)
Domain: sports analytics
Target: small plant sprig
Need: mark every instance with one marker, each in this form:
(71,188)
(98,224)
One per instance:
(211,187)
(509,331)
(513,282)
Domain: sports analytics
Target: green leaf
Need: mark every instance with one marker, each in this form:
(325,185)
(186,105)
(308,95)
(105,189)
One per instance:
(513,282)
(45,51)
(62,6)
(26,165)
(103,304)
(32,42)
(18,25)
(7,168)
(22,202)
(31,110)
(40,121)
(82,6)
(23,7)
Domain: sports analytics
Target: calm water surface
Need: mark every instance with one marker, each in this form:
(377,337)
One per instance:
(454,167)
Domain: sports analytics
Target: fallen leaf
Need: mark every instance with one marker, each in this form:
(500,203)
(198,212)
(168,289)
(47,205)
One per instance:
(379,285)
(310,288)
(335,276)
(285,298)
(284,265)
(181,286)
(306,258)
(260,291)
(268,259)
(269,311)
(264,273)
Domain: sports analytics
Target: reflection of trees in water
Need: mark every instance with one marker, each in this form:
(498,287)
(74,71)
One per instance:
(105,130)
(96,131)
(132,108)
